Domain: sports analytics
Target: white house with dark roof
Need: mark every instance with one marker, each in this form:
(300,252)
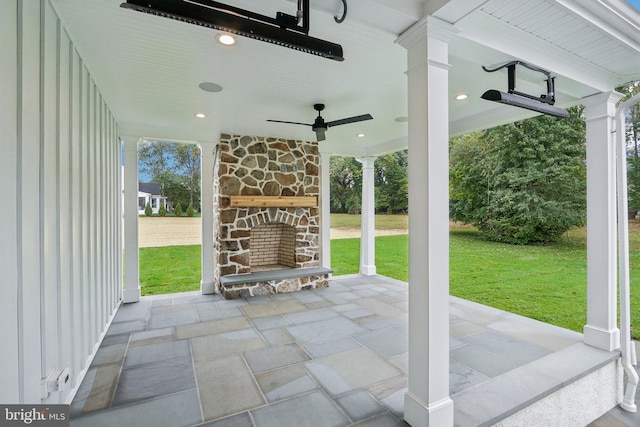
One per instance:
(149,192)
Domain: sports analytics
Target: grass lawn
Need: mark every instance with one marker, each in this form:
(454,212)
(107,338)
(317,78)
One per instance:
(547,283)
(170,269)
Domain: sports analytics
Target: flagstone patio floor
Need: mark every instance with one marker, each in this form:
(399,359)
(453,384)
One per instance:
(327,357)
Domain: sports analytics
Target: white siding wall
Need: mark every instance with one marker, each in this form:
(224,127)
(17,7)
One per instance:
(60,254)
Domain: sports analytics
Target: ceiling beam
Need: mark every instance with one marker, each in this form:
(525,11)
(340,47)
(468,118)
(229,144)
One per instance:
(502,37)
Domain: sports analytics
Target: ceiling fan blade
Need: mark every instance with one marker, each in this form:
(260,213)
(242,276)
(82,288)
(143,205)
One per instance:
(320,135)
(348,120)
(291,123)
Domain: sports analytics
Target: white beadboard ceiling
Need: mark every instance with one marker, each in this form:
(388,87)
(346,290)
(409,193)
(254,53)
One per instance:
(148,68)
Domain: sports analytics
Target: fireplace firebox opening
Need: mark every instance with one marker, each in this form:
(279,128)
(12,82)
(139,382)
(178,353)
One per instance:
(273,247)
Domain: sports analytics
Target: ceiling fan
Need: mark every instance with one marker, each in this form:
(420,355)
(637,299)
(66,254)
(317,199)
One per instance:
(319,126)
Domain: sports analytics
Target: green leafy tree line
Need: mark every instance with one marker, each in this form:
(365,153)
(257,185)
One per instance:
(521,183)
(632,137)
(390,181)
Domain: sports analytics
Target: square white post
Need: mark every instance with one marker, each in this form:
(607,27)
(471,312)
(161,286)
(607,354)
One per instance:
(601,330)
(131,255)
(427,402)
(207,284)
(368,219)
(325,209)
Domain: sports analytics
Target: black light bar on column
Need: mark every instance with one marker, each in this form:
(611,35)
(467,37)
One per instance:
(284,30)
(542,104)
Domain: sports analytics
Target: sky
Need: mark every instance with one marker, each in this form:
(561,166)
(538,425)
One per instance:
(635,3)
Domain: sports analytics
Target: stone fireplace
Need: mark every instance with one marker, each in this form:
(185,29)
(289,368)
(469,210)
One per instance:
(266,216)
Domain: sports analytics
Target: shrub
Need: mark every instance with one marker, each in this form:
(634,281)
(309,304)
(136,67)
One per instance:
(147,209)
(162,211)
(190,211)
(178,210)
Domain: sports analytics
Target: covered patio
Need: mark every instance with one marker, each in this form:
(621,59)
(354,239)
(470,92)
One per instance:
(85,80)
(328,357)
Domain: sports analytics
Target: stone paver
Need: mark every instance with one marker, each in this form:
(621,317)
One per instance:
(327,357)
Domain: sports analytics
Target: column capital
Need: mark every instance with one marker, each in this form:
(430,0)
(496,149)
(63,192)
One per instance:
(207,147)
(130,142)
(427,27)
(367,161)
(601,104)
(324,152)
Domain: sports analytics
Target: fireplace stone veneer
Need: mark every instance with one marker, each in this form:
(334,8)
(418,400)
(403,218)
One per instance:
(261,166)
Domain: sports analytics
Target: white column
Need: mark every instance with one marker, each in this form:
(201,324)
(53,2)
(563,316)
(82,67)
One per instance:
(325,210)
(131,260)
(207,284)
(11,176)
(427,402)
(601,330)
(368,219)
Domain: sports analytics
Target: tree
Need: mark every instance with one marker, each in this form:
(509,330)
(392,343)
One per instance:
(147,209)
(632,135)
(632,128)
(162,211)
(190,211)
(156,159)
(176,167)
(178,210)
(188,166)
(346,184)
(524,182)
(468,181)
(392,182)
(175,190)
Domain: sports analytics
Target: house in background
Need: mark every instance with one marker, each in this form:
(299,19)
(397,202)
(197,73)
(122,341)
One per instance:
(149,192)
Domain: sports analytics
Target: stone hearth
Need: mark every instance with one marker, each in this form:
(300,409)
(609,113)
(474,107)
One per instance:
(256,237)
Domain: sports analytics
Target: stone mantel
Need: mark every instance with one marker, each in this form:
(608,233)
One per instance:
(274,201)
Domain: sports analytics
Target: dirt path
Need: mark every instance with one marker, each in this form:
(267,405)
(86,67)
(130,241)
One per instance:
(348,233)
(171,231)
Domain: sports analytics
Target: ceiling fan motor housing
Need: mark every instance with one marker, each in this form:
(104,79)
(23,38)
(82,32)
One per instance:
(319,124)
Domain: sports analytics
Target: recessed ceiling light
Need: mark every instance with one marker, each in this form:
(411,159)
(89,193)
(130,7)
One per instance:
(226,39)
(402,119)
(210,87)
(200,115)
(361,135)
(462,96)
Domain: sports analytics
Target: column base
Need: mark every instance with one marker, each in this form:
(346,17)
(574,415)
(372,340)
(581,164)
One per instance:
(208,287)
(417,414)
(131,295)
(603,339)
(368,270)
